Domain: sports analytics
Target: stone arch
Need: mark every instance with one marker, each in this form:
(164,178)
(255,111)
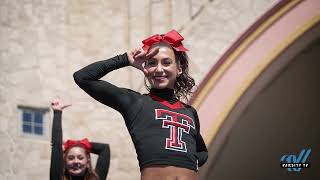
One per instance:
(260,64)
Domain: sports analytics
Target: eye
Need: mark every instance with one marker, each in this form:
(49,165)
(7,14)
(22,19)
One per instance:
(151,62)
(167,62)
(80,157)
(70,157)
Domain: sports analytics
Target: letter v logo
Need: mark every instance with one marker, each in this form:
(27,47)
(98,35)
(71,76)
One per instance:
(294,160)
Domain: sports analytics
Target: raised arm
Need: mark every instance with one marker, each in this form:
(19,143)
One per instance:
(56,164)
(103,162)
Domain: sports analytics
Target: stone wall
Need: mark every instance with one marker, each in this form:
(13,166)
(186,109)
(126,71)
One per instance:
(43,42)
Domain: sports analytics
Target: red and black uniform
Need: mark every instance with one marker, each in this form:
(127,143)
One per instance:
(164,130)
(56,165)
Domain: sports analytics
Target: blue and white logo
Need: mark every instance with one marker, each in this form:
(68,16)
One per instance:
(295,163)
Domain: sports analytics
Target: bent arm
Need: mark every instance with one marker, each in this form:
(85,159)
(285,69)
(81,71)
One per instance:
(88,79)
(103,162)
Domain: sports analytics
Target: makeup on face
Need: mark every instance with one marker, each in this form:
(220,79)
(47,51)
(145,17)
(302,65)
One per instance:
(162,69)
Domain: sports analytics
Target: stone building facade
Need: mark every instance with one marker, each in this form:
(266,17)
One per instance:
(44,41)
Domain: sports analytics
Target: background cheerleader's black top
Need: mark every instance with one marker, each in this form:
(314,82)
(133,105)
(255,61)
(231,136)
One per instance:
(164,130)
(56,165)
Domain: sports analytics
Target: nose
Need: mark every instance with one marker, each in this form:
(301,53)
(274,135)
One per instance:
(159,68)
(76,160)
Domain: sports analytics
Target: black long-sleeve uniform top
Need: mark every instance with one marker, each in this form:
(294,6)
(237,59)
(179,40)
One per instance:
(56,165)
(164,130)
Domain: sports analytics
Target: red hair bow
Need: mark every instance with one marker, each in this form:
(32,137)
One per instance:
(84,143)
(172,37)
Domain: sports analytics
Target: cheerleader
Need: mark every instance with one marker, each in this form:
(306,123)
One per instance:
(73,161)
(165,131)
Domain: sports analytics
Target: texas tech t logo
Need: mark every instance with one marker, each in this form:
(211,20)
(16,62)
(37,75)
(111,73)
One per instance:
(178,125)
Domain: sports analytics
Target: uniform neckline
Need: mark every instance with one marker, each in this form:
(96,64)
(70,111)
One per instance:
(166,97)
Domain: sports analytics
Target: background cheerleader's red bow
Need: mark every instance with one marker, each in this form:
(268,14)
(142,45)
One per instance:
(172,37)
(84,143)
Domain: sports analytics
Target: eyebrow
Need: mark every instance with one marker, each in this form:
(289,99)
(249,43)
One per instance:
(164,59)
(167,59)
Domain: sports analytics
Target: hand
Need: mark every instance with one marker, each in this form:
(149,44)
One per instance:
(57,104)
(138,57)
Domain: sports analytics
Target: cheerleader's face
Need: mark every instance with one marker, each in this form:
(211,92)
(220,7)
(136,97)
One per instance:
(162,69)
(77,161)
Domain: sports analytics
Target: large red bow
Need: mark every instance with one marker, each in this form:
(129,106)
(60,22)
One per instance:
(172,37)
(84,143)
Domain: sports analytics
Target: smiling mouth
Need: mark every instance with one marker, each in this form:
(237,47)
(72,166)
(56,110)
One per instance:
(75,166)
(159,78)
